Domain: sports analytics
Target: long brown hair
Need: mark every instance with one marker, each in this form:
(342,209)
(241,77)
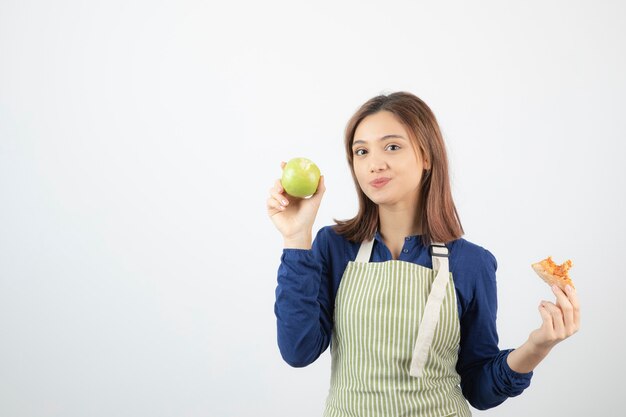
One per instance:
(439,221)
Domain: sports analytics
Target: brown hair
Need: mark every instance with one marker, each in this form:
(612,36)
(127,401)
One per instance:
(439,221)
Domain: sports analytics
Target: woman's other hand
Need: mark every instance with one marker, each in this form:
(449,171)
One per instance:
(293,216)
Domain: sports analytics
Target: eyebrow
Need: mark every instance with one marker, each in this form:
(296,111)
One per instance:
(381,139)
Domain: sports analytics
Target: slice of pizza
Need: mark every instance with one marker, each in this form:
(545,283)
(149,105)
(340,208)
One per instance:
(552,273)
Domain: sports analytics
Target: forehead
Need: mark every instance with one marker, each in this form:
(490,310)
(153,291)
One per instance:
(378,125)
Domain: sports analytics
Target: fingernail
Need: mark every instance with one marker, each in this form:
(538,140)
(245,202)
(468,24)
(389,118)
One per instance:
(284,202)
(568,288)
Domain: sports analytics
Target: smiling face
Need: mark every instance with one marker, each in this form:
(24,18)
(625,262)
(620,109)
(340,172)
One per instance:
(385,161)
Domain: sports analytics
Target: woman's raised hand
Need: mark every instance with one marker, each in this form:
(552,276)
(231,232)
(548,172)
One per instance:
(293,216)
(560,319)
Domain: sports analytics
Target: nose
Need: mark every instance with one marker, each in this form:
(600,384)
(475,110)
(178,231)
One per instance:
(377,165)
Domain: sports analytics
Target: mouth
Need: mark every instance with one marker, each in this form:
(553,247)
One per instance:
(380,182)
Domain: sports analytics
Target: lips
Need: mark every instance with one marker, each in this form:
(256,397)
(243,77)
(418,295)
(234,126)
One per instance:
(380,182)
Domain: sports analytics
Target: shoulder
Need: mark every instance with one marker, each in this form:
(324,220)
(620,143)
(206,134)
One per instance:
(332,246)
(473,258)
(328,235)
(471,252)
(474,270)
(328,239)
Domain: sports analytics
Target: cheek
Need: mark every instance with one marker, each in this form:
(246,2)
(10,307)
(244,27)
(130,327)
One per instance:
(358,171)
(361,176)
(418,179)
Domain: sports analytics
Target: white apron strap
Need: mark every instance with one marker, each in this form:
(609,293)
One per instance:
(429,321)
(365,251)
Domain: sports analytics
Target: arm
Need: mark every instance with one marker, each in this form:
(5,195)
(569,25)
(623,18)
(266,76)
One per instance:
(302,307)
(303,304)
(487,380)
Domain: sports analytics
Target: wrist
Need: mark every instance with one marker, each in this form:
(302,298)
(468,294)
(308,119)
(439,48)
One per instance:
(537,350)
(525,358)
(300,241)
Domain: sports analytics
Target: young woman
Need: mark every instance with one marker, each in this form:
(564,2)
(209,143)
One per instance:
(407,305)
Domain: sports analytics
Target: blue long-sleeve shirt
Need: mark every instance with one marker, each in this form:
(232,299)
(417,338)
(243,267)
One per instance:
(305,298)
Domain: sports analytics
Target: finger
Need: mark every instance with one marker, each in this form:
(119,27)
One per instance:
(279,197)
(282,165)
(573,298)
(547,326)
(273,206)
(563,302)
(278,187)
(278,194)
(557,319)
(546,317)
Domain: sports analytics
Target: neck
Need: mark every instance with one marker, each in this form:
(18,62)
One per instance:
(399,221)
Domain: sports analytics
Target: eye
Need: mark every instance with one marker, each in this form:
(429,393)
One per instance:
(393,146)
(359,152)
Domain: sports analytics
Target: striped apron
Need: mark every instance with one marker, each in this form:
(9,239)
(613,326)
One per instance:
(395,340)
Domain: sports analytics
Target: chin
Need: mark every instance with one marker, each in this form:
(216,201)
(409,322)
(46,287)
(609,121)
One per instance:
(381,200)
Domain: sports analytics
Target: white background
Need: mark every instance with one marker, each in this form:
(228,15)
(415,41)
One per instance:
(138,141)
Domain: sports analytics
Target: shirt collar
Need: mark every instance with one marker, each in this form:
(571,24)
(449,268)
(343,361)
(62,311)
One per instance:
(379,238)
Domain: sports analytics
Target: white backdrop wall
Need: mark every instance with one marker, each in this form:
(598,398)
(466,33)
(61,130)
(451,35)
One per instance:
(138,141)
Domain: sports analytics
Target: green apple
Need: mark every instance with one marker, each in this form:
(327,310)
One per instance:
(300,177)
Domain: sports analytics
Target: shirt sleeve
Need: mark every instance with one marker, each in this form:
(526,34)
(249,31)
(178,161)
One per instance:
(486,378)
(303,303)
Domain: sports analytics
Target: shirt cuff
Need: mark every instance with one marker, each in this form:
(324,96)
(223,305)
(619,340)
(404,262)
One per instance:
(295,251)
(516,380)
(297,255)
